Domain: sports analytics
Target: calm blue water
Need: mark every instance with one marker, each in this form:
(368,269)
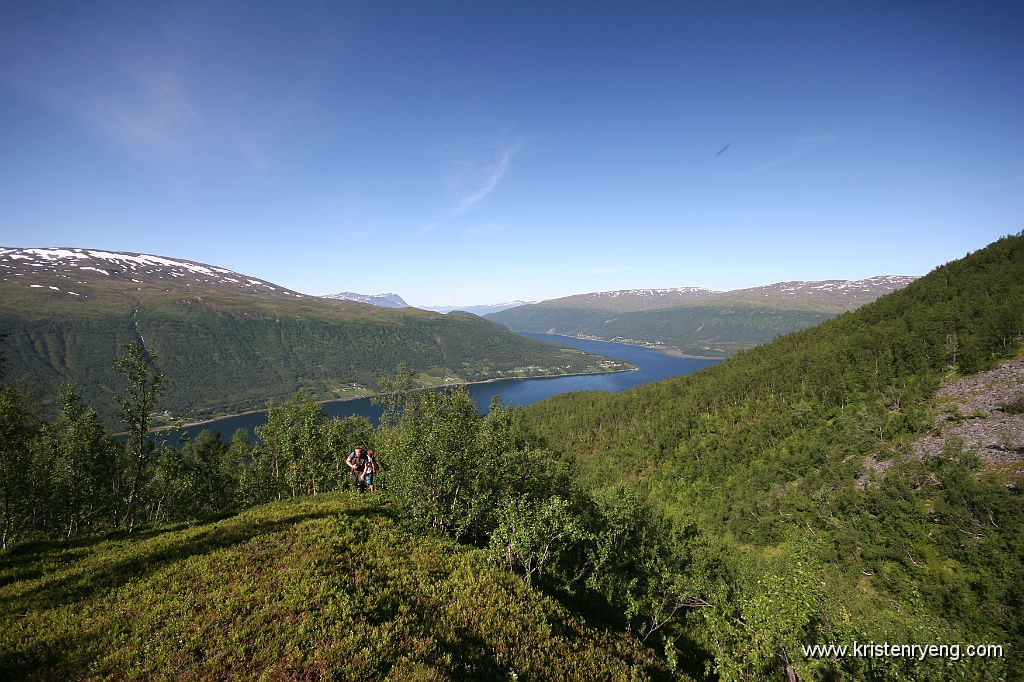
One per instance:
(652,366)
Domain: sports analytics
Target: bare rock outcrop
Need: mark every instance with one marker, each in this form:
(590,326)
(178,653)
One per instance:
(985,412)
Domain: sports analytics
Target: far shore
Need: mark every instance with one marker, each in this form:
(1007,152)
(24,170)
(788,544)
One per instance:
(667,350)
(213,420)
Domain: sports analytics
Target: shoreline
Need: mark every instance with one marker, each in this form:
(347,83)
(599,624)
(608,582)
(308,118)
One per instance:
(213,420)
(667,350)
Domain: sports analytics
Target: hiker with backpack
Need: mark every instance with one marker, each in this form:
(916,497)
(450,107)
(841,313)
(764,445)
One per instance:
(364,466)
(358,461)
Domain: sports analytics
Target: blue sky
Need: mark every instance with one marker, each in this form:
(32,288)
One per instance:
(463,153)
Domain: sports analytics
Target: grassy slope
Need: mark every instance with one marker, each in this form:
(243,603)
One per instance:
(324,587)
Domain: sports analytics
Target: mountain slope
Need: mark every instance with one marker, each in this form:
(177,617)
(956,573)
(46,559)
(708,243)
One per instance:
(809,460)
(698,321)
(629,300)
(228,341)
(830,295)
(329,587)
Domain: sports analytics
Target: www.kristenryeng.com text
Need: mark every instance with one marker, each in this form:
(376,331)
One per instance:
(920,652)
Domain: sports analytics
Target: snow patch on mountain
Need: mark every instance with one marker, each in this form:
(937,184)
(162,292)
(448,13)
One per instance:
(136,267)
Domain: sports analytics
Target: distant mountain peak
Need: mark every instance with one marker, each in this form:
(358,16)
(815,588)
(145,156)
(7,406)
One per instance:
(480,309)
(387,300)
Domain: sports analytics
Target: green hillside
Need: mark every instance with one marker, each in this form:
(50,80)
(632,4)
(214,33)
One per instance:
(331,587)
(228,346)
(704,328)
(697,322)
(797,460)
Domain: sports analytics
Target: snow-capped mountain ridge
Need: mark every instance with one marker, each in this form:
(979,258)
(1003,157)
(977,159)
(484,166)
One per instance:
(652,293)
(80,266)
(835,289)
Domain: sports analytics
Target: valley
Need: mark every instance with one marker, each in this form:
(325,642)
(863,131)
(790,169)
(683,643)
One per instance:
(854,481)
(230,342)
(512,341)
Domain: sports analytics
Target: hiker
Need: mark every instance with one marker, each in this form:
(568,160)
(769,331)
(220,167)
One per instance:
(370,472)
(358,461)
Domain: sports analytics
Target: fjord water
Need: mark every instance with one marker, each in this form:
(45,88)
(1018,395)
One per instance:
(651,365)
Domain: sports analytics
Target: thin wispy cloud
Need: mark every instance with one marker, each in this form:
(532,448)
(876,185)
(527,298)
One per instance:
(156,91)
(426,229)
(152,109)
(488,178)
(144,106)
(798,148)
(478,167)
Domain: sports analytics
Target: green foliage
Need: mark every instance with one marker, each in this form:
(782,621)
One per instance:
(654,570)
(302,451)
(433,462)
(75,467)
(758,622)
(145,383)
(19,423)
(452,469)
(197,481)
(1014,406)
(532,534)
(396,393)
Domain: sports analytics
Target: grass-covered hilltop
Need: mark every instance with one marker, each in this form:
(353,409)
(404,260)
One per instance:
(854,486)
(326,587)
(230,342)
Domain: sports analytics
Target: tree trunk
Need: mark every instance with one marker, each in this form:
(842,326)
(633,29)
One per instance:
(787,666)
